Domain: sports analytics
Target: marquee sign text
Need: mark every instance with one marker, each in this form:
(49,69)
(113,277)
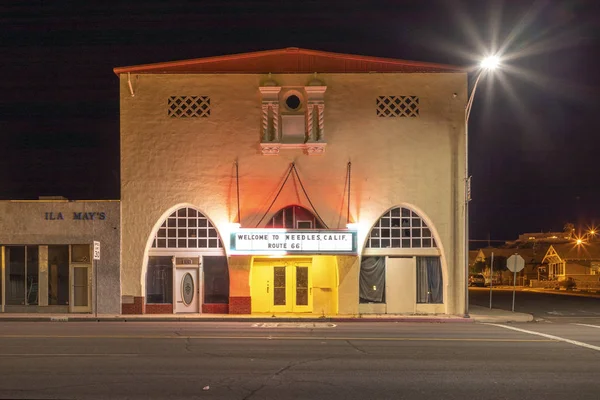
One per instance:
(256,241)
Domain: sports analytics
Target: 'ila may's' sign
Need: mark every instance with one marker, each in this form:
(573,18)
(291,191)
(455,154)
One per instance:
(77,216)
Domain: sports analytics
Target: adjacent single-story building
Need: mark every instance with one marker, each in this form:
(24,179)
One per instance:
(60,256)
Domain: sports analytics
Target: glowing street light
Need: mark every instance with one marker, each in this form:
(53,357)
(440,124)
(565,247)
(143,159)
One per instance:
(490,63)
(487,64)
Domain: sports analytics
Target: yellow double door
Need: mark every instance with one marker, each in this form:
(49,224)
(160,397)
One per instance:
(282,286)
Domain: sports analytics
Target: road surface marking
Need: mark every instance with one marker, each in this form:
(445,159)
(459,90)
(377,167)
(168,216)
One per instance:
(558,338)
(591,326)
(67,355)
(396,339)
(309,325)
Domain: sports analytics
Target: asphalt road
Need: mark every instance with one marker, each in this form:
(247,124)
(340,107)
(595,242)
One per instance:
(543,306)
(384,360)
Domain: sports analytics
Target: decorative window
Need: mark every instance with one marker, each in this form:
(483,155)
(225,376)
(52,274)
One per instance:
(187,228)
(400,228)
(188,106)
(293,102)
(397,106)
(294,217)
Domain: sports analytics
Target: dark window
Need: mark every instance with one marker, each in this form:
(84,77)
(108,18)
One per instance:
(159,280)
(430,288)
(32,274)
(372,280)
(15,275)
(293,102)
(58,275)
(1,277)
(216,280)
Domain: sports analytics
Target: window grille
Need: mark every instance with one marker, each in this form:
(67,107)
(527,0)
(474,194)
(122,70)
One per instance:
(188,106)
(187,228)
(400,228)
(397,106)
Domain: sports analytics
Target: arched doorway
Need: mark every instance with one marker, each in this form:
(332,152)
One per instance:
(401,267)
(187,267)
(295,283)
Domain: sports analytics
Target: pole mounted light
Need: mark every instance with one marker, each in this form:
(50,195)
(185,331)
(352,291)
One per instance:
(487,64)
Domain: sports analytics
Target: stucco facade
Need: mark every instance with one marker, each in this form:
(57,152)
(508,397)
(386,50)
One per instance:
(44,226)
(168,163)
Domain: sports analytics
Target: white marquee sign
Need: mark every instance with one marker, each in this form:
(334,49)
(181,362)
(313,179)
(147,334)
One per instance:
(294,241)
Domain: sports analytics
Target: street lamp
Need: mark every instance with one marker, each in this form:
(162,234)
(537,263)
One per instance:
(487,64)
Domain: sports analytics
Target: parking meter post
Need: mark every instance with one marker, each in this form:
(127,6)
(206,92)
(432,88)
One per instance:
(491,278)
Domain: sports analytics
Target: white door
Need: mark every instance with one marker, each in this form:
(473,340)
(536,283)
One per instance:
(81,288)
(187,291)
(400,285)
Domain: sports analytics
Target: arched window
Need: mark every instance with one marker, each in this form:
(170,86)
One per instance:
(187,228)
(402,228)
(294,217)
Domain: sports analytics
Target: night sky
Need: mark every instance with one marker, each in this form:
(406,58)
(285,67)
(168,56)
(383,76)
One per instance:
(534,129)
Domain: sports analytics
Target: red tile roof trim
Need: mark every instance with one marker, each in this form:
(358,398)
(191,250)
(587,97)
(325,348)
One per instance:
(289,60)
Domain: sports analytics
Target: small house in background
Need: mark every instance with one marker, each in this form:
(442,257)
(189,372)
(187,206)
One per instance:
(579,263)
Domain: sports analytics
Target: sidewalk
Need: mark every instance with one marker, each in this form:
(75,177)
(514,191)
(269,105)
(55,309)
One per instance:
(495,315)
(576,292)
(477,314)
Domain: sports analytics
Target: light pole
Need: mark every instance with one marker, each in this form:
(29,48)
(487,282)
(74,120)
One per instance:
(487,64)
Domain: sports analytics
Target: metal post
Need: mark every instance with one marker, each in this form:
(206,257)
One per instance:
(514,283)
(95,271)
(466,204)
(491,278)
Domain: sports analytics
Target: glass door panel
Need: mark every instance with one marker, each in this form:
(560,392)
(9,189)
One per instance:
(80,287)
(279,286)
(301,286)
(80,296)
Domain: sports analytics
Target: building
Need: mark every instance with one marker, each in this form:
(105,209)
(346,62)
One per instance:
(46,256)
(577,262)
(291,181)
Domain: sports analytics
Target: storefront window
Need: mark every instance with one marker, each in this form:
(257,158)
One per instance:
(159,280)
(58,275)
(216,279)
(15,275)
(1,277)
(32,275)
(80,253)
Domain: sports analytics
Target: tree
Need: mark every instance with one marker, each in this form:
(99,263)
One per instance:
(569,229)
(478,267)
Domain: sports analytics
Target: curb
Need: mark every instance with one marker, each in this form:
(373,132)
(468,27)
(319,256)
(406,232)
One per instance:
(253,320)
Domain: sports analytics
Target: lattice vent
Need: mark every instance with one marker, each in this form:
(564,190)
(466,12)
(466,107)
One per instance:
(189,106)
(397,106)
